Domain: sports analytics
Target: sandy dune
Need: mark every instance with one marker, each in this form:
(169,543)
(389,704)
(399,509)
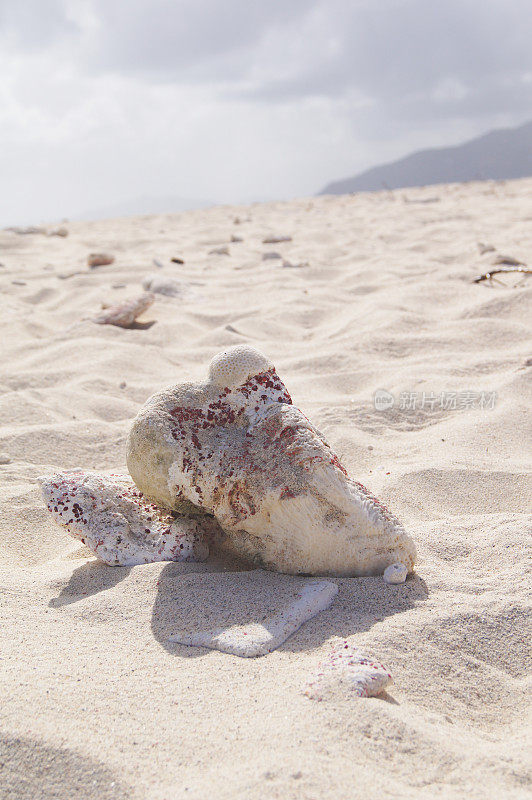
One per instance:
(95,702)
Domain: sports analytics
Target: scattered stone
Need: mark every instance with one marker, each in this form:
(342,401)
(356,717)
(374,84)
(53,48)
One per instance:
(271,256)
(276,239)
(485,248)
(347,672)
(422,200)
(161,285)
(289,265)
(219,251)
(30,229)
(5,458)
(236,239)
(65,275)
(157,263)
(19,283)
(99,259)
(62,231)
(123,385)
(125,314)
(177,260)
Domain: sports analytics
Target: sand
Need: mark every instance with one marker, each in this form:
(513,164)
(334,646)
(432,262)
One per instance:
(95,701)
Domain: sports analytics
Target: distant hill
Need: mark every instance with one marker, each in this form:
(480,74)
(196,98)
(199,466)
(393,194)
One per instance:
(498,155)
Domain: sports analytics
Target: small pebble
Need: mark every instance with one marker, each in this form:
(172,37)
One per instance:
(177,260)
(219,251)
(395,573)
(5,458)
(19,283)
(62,231)
(123,385)
(236,239)
(270,256)
(288,264)
(99,259)
(119,285)
(276,239)
(157,263)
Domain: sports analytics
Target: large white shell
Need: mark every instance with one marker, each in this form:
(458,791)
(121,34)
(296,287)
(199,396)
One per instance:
(236,447)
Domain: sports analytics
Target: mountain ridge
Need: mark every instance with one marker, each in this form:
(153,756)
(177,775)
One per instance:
(501,154)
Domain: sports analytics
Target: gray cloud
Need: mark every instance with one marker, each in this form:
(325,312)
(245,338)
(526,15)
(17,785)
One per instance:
(245,99)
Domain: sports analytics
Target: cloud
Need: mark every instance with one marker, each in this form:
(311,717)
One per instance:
(243,99)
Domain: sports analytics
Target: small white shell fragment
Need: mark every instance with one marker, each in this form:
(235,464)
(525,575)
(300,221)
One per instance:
(395,573)
(347,672)
(125,313)
(307,599)
(162,285)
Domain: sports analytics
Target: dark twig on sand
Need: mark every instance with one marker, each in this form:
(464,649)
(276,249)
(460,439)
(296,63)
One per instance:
(487,276)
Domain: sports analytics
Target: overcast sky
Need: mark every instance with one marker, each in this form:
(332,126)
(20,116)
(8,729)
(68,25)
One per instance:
(106,101)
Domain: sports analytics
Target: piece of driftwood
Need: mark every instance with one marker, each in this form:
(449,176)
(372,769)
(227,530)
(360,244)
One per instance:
(487,276)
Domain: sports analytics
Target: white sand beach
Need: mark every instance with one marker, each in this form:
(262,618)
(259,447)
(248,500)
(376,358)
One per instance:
(373,292)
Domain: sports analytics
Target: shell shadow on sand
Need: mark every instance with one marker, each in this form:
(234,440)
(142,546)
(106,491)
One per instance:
(88,579)
(28,766)
(230,598)
(221,601)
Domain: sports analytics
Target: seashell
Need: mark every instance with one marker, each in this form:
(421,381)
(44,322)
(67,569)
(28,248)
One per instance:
(99,259)
(124,314)
(236,447)
(346,671)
